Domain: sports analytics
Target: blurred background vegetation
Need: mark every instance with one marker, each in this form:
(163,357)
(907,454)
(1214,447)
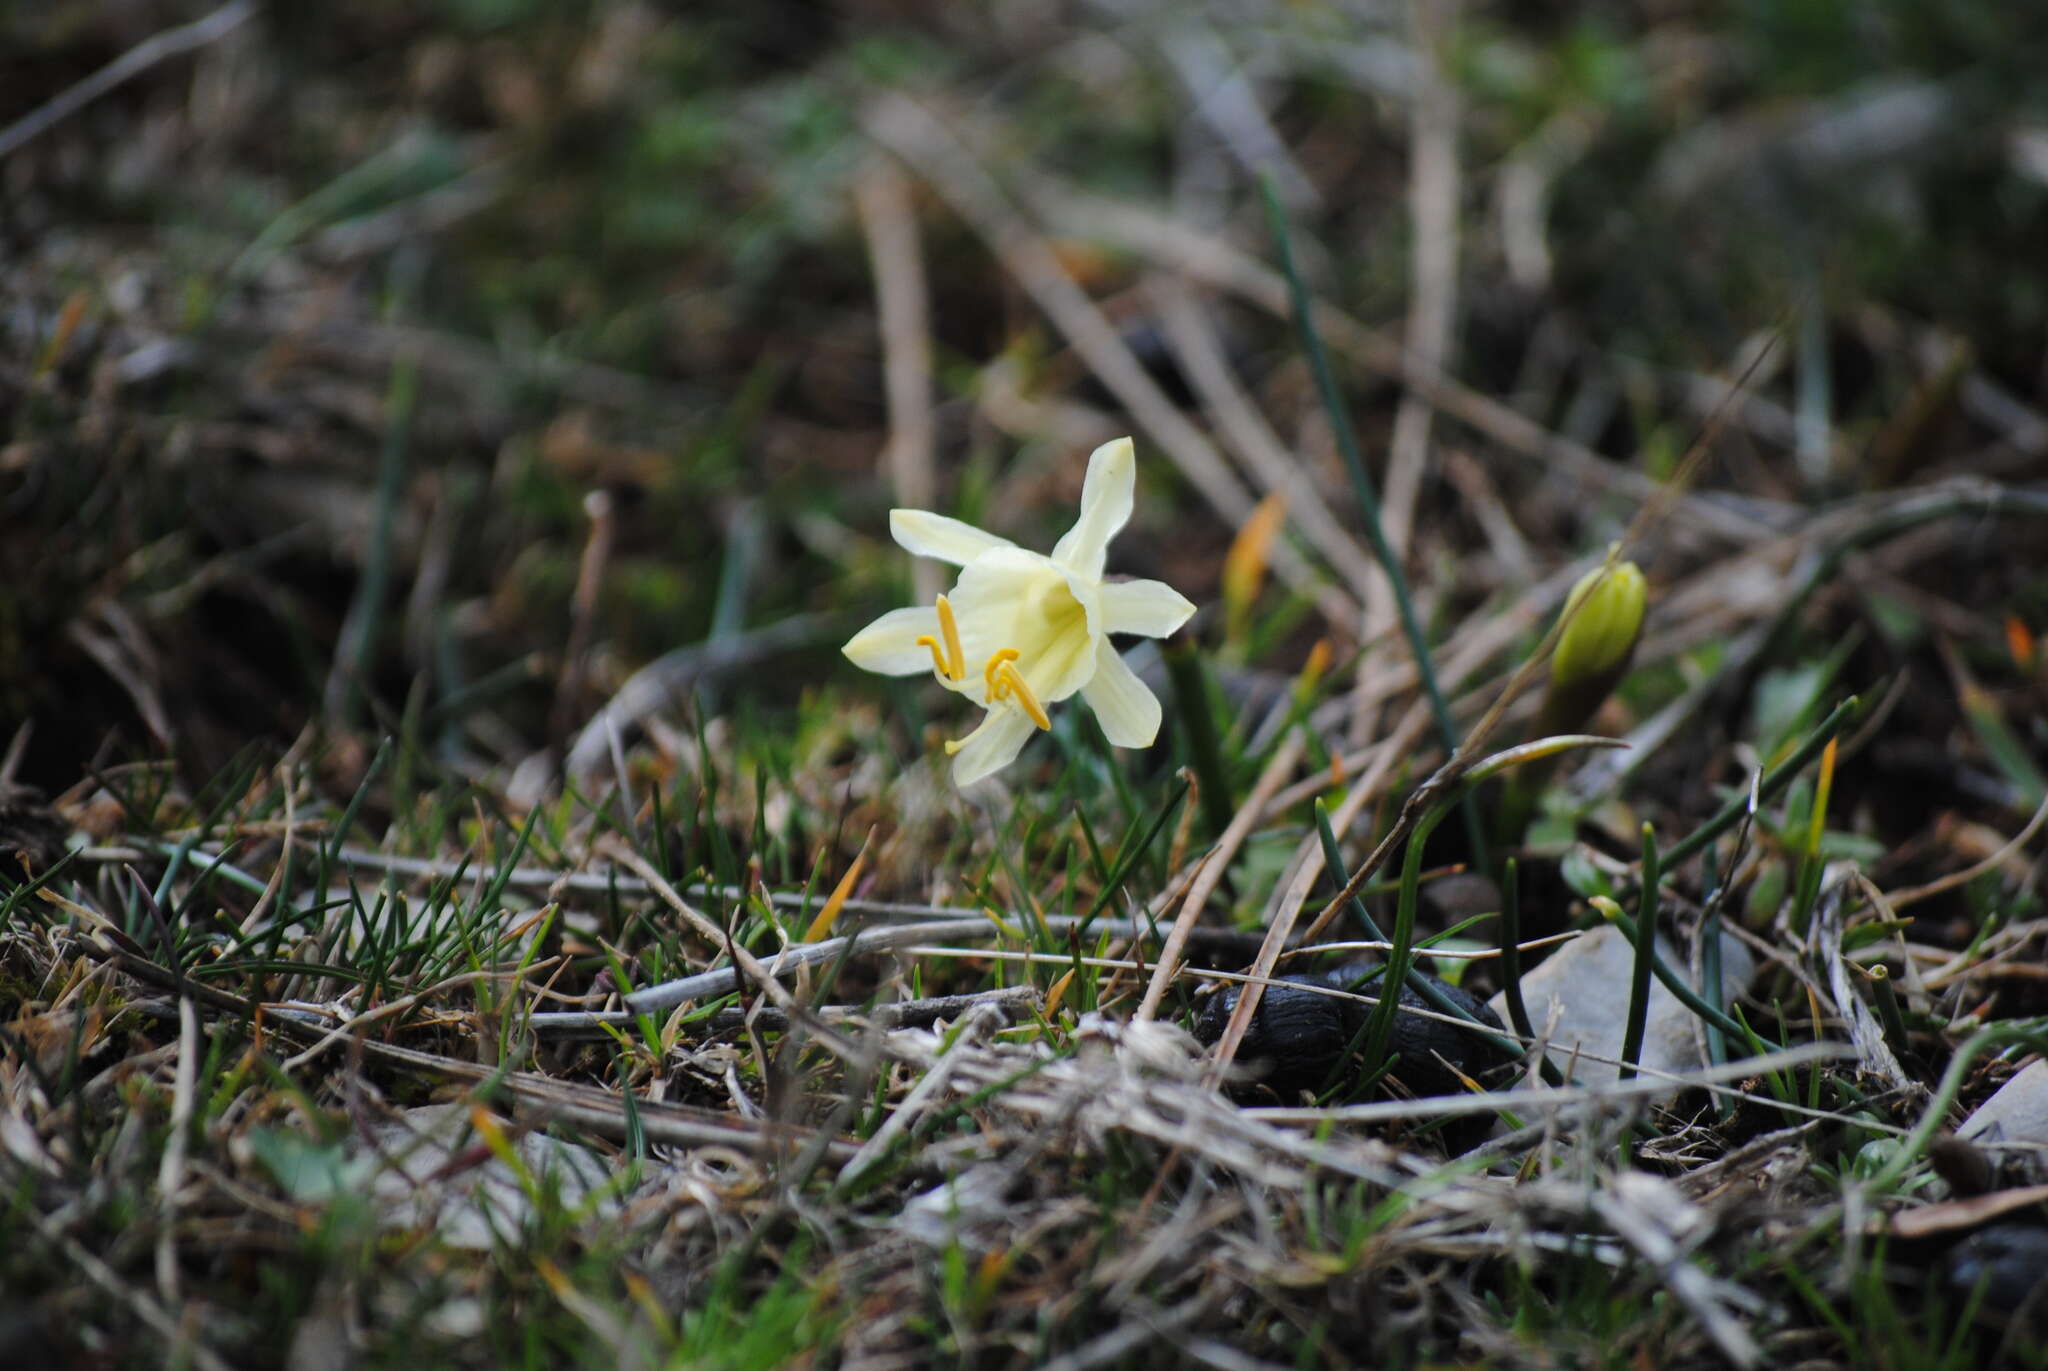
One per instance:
(397,285)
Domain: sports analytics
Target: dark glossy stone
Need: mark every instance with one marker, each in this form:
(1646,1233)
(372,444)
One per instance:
(1299,1038)
(2011,1259)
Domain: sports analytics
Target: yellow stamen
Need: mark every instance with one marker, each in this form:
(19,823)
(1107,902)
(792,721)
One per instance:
(991,672)
(952,666)
(938,662)
(956,658)
(1014,679)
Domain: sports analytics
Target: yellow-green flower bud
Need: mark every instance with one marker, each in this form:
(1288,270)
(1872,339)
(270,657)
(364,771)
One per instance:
(1598,638)
(1606,907)
(1603,618)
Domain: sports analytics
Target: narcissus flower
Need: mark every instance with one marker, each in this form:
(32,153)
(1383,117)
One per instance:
(1021,631)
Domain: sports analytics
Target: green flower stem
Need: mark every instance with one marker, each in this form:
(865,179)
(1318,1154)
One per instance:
(1646,953)
(1368,500)
(1511,949)
(1205,749)
(1422,985)
(1710,976)
(1401,947)
(1888,1016)
(1675,983)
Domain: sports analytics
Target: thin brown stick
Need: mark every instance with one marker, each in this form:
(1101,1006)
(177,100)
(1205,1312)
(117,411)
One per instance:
(1900,899)
(170,1176)
(593,1107)
(353,1027)
(1510,549)
(287,783)
(590,571)
(1433,212)
(888,218)
(160,47)
(930,147)
(17,748)
(1176,245)
(1192,337)
(745,960)
(1280,927)
(1215,863)
(1168,965)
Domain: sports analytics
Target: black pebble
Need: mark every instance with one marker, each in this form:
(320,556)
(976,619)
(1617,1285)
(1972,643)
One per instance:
(2011,1259)
(1298,1038)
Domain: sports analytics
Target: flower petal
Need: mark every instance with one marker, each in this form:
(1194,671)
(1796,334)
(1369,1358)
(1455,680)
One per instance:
(889,644)
(1151,609)
(1106,498)
(993,746)
(1124,705)
(934,535)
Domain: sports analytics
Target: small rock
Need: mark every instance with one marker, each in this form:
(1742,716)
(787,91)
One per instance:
(2017,1111)
(475,1205)
(1298,1036)
(1588,981)
(2009,1259)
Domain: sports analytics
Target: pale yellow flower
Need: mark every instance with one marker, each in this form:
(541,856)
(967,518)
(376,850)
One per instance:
(1021,631)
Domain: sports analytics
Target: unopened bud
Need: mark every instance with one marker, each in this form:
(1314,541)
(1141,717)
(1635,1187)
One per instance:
(1599,637)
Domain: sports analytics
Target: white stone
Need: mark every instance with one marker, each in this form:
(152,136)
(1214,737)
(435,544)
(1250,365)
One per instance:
(476,1205)
(2017,1111)
(1587,983)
